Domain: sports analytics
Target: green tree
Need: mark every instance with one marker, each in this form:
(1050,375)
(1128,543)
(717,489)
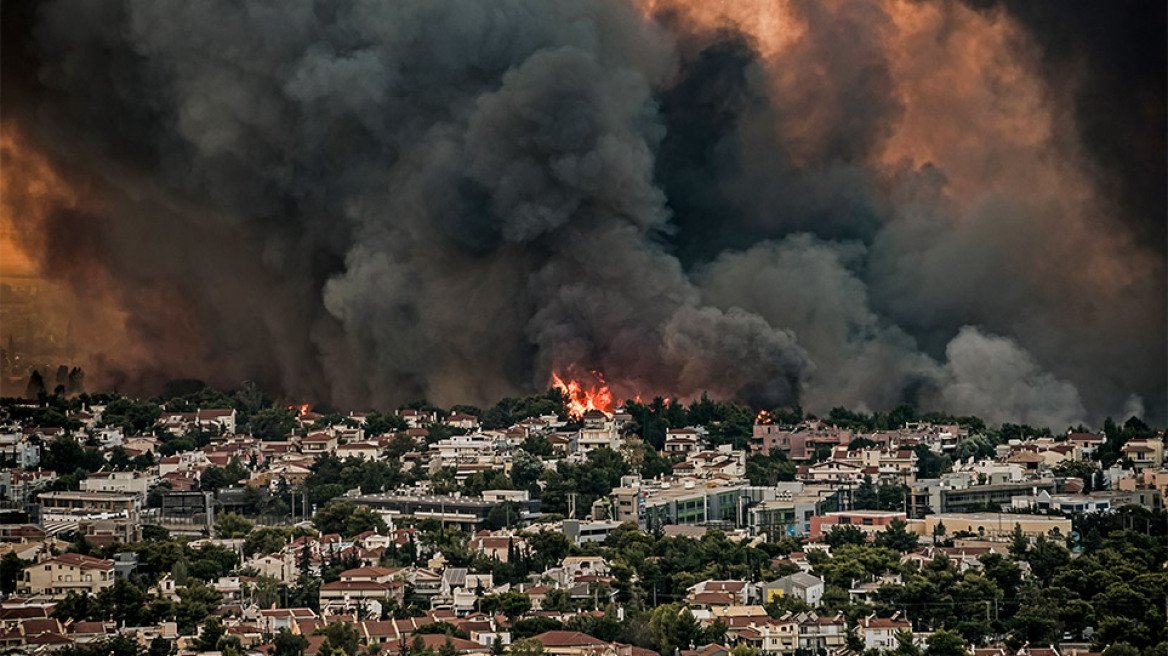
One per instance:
(289,644)
(213,479)
(866,496)
(124,602)
(161,647)
(1018,543)
(196,602)
(272,424)
(526,469)
(503,515)
(75,606)
(897,537)
(342,635)
(442,628)
(232,525)
(526,647)
(11,567)
(905,645)
(945,643)
(511,603)
(345,517)
(672,626)
(533,626)
(264,540)
(842,534)
(212,632)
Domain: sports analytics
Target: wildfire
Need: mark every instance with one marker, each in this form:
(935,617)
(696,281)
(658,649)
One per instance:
(300,410)
(763,417)
(581,397)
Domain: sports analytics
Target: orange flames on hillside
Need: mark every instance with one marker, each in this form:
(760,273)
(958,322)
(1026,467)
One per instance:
(300,410)
(581,396)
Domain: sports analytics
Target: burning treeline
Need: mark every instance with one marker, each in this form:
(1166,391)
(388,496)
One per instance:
(837,203)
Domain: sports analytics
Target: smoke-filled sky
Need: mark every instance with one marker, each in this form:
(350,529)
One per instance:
(858,203)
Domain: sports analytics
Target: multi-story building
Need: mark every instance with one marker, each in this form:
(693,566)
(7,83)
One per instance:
(129,482)
(467,512)
(879,633)
(599,431)
(17,450)
(70,572)
(85,503)
(1144,454)
(18,485)
(958,493)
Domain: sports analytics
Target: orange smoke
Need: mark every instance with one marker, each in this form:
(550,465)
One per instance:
(57,308)
(968,81)
(28,188)
(581,397)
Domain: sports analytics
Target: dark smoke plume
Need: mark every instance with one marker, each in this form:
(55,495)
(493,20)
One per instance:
(368,203)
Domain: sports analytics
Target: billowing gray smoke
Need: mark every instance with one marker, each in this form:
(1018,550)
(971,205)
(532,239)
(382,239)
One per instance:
(374,202)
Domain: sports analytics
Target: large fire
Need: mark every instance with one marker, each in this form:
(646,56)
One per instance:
(582,397)
(300,410)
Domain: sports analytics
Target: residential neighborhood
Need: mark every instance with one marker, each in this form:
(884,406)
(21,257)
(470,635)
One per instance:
(200,525)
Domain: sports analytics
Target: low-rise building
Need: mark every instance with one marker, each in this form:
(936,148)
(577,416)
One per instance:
(801,586)
(869,521)
(994,525)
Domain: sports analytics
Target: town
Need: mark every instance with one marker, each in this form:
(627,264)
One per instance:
(206,522)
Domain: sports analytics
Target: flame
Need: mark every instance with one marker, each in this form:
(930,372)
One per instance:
(581,398)
(763,417)
(300,410)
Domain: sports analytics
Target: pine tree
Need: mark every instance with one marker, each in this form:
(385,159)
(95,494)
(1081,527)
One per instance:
(1018,543)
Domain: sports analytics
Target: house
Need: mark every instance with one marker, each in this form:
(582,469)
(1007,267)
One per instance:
(416,418)
(318,442)
(682,441)
(464,421)
(69,572)
(570,643)
(822,634)
(832,471)
(351,594)
(599,431)
(879,633)
(378,574)
(366,450)
(802,586)
(277,619)
(499,547)
(769,637)
(574,567)
(718,593)
(222,419)
(1144,454)
(1088,443)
